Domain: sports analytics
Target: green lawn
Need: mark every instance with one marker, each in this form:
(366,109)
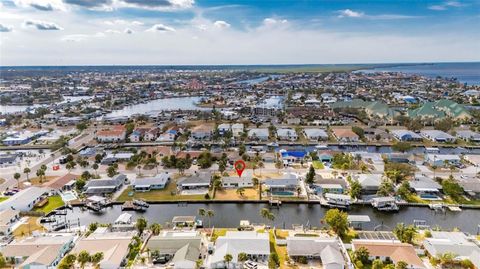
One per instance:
(167,194)
(54,202)
(318,165)
(3,198)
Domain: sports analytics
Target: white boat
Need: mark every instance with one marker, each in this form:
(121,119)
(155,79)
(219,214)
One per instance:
(337,200)
(321,146)
(385,203)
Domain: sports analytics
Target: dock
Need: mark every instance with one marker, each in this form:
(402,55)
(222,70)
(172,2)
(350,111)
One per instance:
(131,206)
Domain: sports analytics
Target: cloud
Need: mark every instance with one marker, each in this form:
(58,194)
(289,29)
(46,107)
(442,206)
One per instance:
(272,21)
(74,38)
(89,3)
(123,22)
(221,24)
(43,5)
(128,31)
(446,5)
(5,28)
(157,4)
(42,25)
(161,28)
(350,14)
(111,31)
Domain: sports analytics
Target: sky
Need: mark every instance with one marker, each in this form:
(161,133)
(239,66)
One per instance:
(220,32)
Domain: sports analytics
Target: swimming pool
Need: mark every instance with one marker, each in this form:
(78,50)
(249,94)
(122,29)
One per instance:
(283,193)
(68,196)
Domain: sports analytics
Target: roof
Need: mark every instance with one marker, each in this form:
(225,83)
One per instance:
(331,255)
(422,183)
(189,252)
(237,242)
(258,132)
(61,181)
(453,242)
(370,180)
(114,247)
(24,198)
(401,133)
(344,132)
(396,251)
(309,246)
(202,179)
(171,242)
(6,215)
(243,179)
(160,179)
(315,132)
(436,134)
(296,154)
(289,180)
(286,132)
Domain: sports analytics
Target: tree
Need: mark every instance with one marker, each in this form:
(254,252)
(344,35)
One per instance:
(111,170)
(405,233)
(361,254)
(310,177)
(40,174)
(444,125)
(241,191)
(3,262)
(141,225)
(377,264)
(27,171)
(401,265)
(355,189)
(70,165)
(404,190)
(267,215)
(402,146)
(273,260)
(98,158)
(385,188)
(278,165)
(337,220)
(17,176)
(83,258)
(95,167)
(451,188)
(242,257)
(155,228)
(82,126)
(202,212)
(228,258)
(97,258)
(210,214)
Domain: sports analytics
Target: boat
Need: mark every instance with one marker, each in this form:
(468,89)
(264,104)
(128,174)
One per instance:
(321,146)
(198,223)
(131,206)
(437,207)
(385,203)
(272,144)
(336,200)
(141,203)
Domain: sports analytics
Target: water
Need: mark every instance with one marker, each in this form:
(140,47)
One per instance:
(158,105)
(258,80)
(465,72)
(9,109)
(228,215)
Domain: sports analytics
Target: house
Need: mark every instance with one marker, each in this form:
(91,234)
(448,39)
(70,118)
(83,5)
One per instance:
(345,135)
(425,187)
(469,136)
(437,136)
(255,245)
(399,158)
(43,252)
(25,199)
(315,134)
(406,135)
(287,185)
(392,251)
(290,157)
(258,134)
(151,183)
(184,247)
(8,218)
(198,182)
(63,183)
(202,132)
(442,160)
(237,129)
(8,160)
(456,243)
(470,185)
(168,136)
(369,182)
(245,181)
(473,159)
(124,223)
(137,135)
(329,185)
(105,186)
(112,158)
(152,134)
(112,135)
(223,128)
(327,249)
(114,245)
(287,134)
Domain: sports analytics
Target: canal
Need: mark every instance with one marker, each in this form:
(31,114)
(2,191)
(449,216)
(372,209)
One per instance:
(228,215)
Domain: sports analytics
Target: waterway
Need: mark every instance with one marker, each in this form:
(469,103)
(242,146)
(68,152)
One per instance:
(228,215)
(9,109)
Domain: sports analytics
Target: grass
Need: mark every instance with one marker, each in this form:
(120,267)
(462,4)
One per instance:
(281,252)
(28,227)
(318,165)
(220,232)
(167,194)
(231,194)
(54,202)
(3,198)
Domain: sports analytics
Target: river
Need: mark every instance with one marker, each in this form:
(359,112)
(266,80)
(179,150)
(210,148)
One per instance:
(9,109)
(228,215)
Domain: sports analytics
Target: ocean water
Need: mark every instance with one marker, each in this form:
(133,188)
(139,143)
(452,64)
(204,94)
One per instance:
(468,73)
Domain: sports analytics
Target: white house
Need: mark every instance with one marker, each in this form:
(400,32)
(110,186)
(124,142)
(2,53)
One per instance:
(287,134)
(437,136)
(258,134)
(8,218)
(315,134)
(237,129)
(327,249)
(202,132)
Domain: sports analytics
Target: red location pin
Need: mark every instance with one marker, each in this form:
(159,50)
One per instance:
(239,166)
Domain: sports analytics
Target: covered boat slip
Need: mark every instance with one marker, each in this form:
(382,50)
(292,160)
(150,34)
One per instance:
(357,221)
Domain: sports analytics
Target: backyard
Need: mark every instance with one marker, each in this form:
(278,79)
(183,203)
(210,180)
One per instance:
(231,194)
(167,194)
(53,203)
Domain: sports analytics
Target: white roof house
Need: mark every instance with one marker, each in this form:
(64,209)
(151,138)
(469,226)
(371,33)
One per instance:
(468,135)
(453,242)
(315,134)
(437,136)
(258,133)
(25,199)
(325,248)
(370,181)
(287,134)
(252,243)
(405,135)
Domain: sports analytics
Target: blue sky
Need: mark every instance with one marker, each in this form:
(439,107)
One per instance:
(56,32)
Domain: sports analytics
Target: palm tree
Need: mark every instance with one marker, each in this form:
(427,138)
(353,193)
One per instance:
(82,258)
(17,176)
(155,228)
(228,258)
(95,167)
(210,214)
(141,224)
(242,257)
(27,172)
(241,191)
(40,174)
(202,212)
(267,215)
(96,258)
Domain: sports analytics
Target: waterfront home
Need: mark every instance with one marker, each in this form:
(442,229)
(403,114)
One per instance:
(255,245)
(345,135)
(324,248)
(287,185)
(63,183)
(442,160)
(406,135)
(392,251)
(385,203)
(25,199)
(202,132)
(399,158)
(166,137)
(258,134)
(184,221)
(183,247)
(157,182)
(137,135)
(45,251)
(245,181)
(112,158)
(469,136)
(369,182)
(315,134)
(224,128)
(8,160)
(237,129)
(426,187)
(8,219)
(123,223)
(291,157)
(456,243)
(329,185)
(437,136)
(104,186)
(114,246)
(21,138)
(114,134)
(199,182)
(470,185)
(287,134)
